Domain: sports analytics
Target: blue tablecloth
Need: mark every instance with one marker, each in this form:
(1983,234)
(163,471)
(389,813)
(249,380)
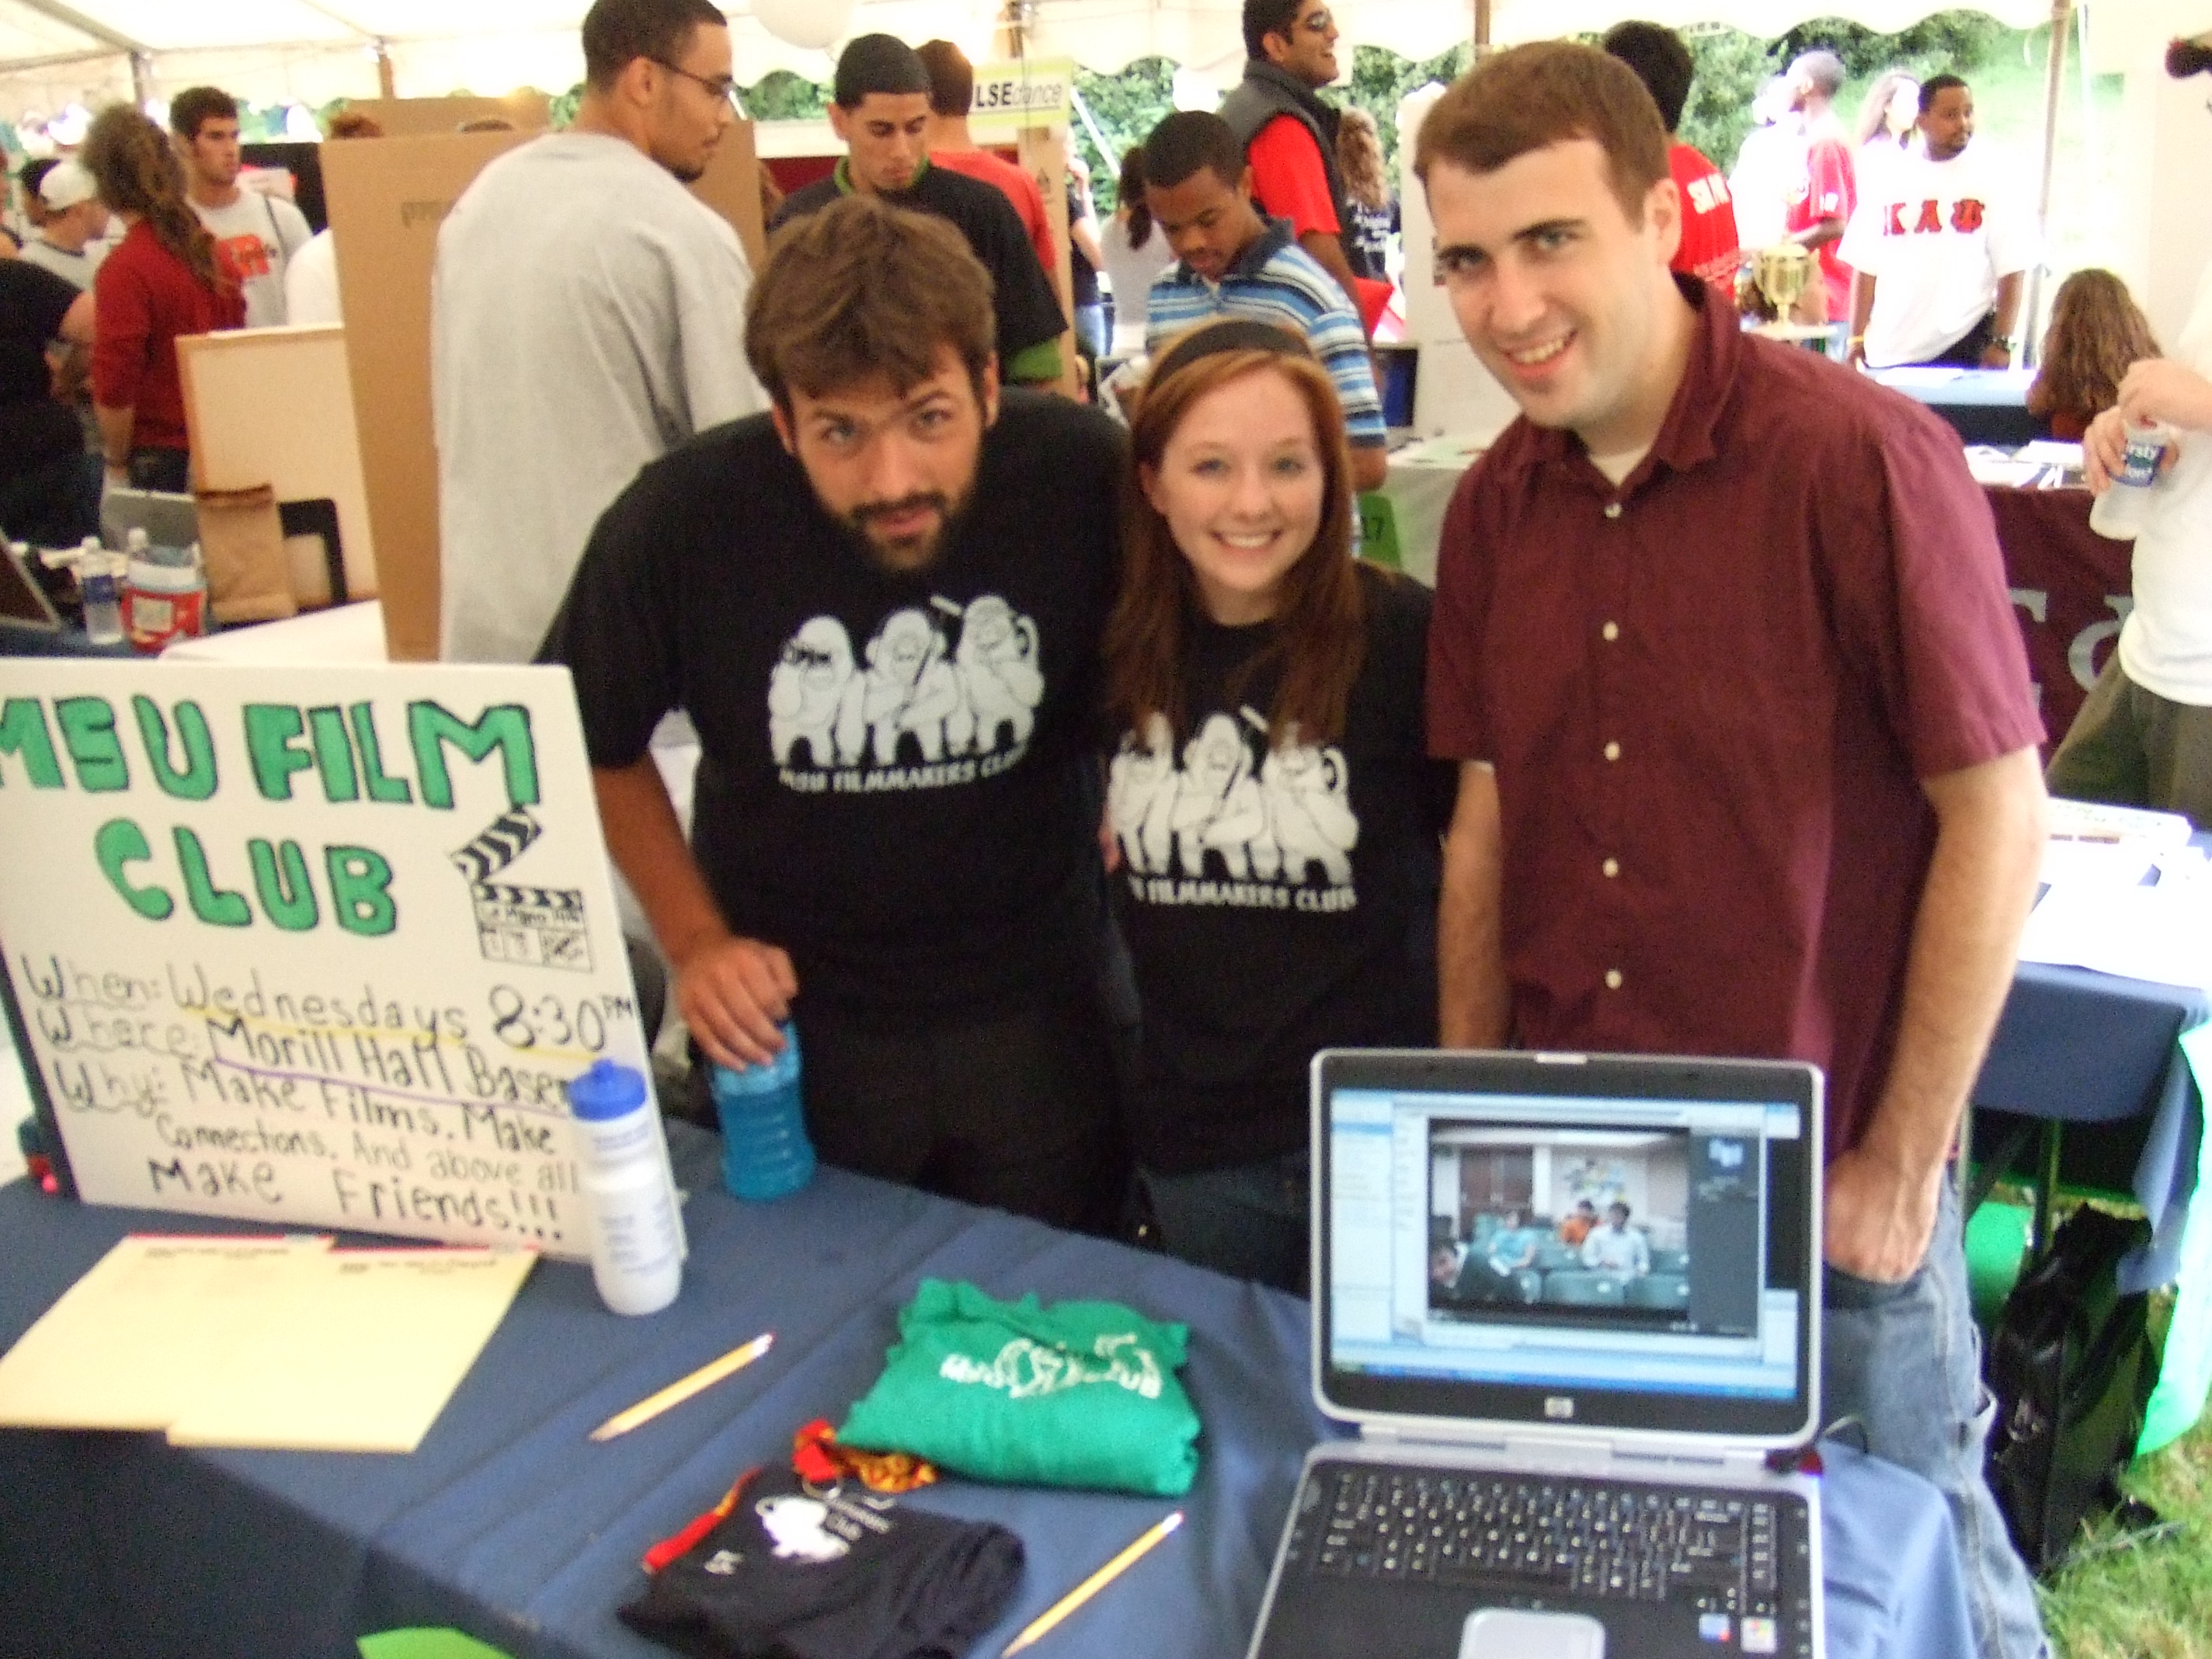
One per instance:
(2090,1049)
(508,1524)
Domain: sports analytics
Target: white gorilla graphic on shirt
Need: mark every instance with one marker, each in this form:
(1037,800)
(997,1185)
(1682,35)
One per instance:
(909,687)
(796,1524)
(1140,796)
(1270,822)
(829,706)
(1218,807)
(812,694)
(1001,681)
(1308,791)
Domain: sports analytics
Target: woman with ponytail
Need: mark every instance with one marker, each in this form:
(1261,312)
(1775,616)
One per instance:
(162,280)
(1136,251)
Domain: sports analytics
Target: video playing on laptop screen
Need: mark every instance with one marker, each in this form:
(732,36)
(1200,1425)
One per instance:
(1568,1246)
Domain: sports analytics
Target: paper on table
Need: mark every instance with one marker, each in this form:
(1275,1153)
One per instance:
(2162,933)
(253,1342)
(379,1343)
(127,1344)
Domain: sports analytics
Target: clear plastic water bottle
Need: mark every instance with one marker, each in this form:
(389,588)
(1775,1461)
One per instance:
(2118,514)
(99,579)
(637,1242)
(765,1150)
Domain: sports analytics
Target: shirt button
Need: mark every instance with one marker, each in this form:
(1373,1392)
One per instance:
(1610,631)
(1612,509)
(1610,866)
(1612,979)
(1612,751)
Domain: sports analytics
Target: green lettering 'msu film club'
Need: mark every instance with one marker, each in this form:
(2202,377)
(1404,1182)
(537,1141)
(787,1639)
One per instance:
(341,745)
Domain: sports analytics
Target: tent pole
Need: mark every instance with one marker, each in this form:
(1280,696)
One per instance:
(141,78)
(1481,27)
(2054,82)
(386,85)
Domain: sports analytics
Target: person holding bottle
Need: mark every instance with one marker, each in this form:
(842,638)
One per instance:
(2143,736)
(1269,799)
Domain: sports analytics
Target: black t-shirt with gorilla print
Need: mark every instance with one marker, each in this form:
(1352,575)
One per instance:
(1276,901)
(896,784)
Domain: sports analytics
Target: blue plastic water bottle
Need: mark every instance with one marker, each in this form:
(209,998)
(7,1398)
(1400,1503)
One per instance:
(765,1150)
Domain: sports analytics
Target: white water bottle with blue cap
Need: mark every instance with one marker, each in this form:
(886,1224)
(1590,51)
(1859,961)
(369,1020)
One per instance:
(765,1150)
(637,1241)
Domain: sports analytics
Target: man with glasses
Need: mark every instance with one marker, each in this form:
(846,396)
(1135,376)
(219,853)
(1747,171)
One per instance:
(1289,135)
(587,316)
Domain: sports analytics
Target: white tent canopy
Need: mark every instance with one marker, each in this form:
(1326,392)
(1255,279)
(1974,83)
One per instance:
(54,52)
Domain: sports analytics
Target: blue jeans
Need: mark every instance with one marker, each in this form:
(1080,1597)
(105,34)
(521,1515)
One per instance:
(1249,1221)
(1091,329)
(1905,1359)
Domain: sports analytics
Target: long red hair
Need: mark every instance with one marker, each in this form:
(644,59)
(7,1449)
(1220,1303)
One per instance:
(1319,634)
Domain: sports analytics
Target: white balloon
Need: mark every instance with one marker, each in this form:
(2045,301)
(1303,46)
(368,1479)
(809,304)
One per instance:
(812,24)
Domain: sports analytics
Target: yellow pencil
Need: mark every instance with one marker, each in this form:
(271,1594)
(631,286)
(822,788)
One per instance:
(681,1391)
(1090,1586)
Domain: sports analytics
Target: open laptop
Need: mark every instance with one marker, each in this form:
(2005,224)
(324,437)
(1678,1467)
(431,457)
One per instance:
(23,599)
(1572,1303)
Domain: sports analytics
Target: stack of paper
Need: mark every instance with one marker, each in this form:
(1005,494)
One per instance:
(275,1343)
(2125,894)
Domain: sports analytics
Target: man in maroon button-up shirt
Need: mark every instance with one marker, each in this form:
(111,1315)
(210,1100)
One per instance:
(1722,645)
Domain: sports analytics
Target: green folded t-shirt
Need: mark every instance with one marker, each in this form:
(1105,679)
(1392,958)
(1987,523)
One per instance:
(1080,1393)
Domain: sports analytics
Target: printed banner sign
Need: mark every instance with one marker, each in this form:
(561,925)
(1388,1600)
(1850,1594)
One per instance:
(1033,92)
(312,947)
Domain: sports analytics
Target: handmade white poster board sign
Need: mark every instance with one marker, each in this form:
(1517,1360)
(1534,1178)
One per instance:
(313,946)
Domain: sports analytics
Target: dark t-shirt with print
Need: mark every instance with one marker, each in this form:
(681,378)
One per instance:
(895,782)
(1023,303)
(1272,899)
(34,429)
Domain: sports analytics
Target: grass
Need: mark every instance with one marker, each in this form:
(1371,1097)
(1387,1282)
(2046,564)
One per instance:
(2152,1600)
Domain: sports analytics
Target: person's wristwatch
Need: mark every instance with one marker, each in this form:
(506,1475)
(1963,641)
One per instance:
(2004,342)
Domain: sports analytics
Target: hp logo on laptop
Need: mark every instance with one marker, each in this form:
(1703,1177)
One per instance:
(1559,1406)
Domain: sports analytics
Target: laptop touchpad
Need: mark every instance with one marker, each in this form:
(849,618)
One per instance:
(1518,1633)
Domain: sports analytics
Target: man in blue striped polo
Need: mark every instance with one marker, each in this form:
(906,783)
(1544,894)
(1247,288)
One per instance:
(1233,261)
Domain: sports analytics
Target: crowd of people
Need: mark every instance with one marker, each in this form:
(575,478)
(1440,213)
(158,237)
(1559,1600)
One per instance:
(1066,784)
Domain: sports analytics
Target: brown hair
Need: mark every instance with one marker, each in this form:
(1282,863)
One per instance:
(138,171)
(860,289)
(1319,640)
(352,124)
(1359,154)
(2096,331)
(951,77)
(1548,92)
(195,107)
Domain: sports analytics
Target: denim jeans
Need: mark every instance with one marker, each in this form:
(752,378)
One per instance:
(1250,1221)
(1905,1359)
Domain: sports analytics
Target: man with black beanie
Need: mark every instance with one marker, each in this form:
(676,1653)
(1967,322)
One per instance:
(881,113)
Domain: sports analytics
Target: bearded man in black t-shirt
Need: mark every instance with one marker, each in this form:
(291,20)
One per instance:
(881,606)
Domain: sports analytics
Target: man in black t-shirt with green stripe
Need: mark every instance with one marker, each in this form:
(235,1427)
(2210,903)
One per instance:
(881,113)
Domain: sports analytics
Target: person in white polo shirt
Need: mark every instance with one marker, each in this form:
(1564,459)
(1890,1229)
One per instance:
(1940,252)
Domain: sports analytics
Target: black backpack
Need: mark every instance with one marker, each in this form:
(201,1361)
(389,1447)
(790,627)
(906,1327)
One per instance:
(2071,1364)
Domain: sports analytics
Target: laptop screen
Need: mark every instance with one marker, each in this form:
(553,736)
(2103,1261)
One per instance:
(1608,1242)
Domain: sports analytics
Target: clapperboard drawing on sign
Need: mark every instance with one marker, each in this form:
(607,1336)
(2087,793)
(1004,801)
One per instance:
(541,926)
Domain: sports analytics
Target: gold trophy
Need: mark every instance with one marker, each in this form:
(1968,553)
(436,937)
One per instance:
(1780,273)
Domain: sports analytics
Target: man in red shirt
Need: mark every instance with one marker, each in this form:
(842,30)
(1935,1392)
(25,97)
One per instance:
(1709,250)
(1747,745)
(951,93)
(1821,206)
(1289,135)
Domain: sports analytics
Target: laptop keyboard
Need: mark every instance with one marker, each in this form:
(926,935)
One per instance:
(1723,1551)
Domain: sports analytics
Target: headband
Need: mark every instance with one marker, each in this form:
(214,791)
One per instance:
(1230,334)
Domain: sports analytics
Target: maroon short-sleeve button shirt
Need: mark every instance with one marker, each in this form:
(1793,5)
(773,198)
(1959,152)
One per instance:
(1710,696)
